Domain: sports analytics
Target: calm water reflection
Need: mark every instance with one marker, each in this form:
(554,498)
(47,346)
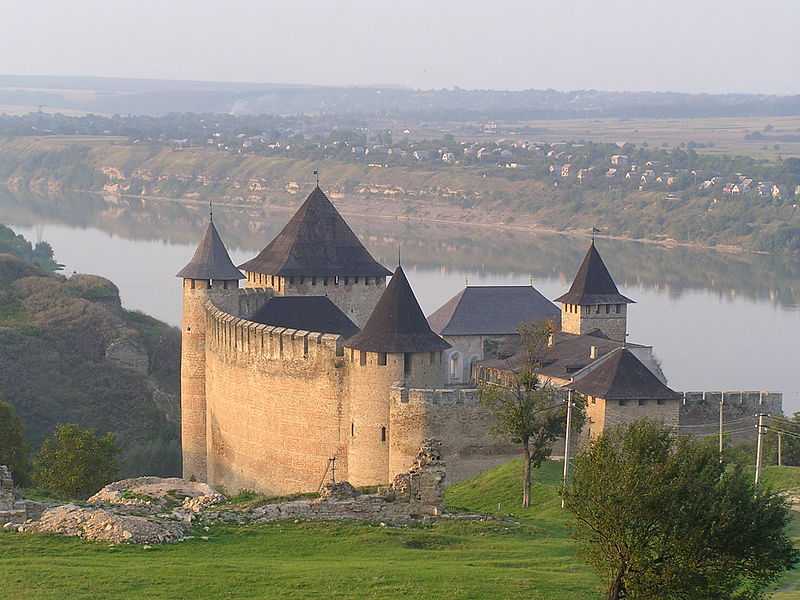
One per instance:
(716,321)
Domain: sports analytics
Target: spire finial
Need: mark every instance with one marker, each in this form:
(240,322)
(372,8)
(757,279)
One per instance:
(316,175)
(210,210)
(594,230)
(398,255)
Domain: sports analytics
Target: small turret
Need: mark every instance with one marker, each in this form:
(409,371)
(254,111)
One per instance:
(210,273)
(395,347)
(593,301)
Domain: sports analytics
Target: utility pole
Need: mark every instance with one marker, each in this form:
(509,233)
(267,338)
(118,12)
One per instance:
(333,469)
(566,442)
(721,425)
(780,449)
(759,446)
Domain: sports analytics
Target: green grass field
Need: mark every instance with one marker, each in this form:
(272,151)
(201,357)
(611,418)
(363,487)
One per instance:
(531,556)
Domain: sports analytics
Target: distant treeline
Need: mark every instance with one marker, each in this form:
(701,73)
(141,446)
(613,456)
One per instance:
(125,96)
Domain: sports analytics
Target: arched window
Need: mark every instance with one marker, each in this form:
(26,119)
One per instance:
(455,366)
(383,434)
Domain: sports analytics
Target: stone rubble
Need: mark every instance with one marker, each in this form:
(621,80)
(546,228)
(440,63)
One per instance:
(154,510)
(102,525)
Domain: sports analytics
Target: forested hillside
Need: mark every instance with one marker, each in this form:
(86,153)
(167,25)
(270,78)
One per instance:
(70,353)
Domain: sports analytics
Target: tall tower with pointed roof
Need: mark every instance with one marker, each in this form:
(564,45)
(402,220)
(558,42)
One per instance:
(396,346)
(317,254)
(210,273)
(594,302)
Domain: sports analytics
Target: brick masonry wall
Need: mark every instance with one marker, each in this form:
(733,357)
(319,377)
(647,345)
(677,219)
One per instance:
(453,416)
(275,410)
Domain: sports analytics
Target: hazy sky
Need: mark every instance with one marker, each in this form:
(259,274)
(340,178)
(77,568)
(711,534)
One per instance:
(681,45)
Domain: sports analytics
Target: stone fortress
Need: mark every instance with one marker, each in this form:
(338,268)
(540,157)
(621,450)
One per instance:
(317,364)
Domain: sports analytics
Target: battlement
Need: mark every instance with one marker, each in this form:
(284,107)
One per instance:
(441,397)
(251,299)
(755,401)
(233,335)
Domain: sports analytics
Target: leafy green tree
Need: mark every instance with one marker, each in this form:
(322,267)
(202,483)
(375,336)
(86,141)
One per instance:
(527,408)
(13,448)
(661,518)
(75,462)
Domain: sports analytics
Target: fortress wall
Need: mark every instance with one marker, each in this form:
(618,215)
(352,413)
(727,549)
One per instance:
(699,411)
(274,406)
(454,416)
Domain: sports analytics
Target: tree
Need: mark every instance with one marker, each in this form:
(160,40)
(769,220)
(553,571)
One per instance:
(661,518)
(75,462)
(13,448)
(528,409)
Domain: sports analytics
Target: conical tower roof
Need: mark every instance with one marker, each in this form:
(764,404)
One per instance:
(622,376)
(593,283)
(210,260)
(397,324)
(316,242)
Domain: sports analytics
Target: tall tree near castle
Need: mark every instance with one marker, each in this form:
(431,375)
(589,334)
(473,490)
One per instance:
(528,410)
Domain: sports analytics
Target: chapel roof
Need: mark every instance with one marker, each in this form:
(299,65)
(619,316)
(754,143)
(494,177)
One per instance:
(211,259)
(397,324)
(492,310)
(316,241)
(593,283)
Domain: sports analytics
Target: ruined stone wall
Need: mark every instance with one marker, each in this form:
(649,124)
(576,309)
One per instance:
(275,409)
(355,296)
(454,416)
(585,319)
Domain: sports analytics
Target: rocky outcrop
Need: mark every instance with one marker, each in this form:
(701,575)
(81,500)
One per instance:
(100,525)
(156,492)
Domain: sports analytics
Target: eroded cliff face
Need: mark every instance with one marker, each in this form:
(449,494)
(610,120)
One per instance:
(70,353)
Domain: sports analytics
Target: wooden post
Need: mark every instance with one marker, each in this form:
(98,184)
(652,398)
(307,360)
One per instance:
(566,443)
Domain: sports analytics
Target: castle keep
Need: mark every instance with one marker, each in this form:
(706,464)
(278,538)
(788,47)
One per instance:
(318,364)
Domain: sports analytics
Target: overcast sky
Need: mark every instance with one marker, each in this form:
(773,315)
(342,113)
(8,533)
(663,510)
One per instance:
(680,45)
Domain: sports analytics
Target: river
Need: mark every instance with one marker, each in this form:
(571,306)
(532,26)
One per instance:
(716,321)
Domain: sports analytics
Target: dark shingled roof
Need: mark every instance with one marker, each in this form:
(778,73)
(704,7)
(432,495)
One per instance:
(492,310)
(397,324)
(568,355)
(308,313)
(210,260)
(593,284)
(622,376)
(316,242)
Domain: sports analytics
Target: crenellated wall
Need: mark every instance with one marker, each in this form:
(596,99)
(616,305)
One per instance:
(275,405)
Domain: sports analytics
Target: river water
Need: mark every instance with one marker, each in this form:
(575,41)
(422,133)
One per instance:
(716,321)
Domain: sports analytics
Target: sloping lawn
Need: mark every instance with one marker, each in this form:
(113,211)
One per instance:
(530,556)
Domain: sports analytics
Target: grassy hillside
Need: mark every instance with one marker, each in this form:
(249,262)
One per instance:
(530,556)
(69,353)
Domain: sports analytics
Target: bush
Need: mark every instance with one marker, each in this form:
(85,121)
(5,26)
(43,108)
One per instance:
(13,449)
(76,462)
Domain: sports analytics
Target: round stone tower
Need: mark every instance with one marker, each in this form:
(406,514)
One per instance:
(395,348)
(210,273)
